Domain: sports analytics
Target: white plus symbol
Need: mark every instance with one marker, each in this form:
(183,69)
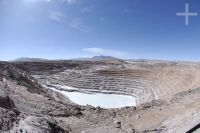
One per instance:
(186,14)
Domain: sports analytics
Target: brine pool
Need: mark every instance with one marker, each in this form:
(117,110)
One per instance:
(99,99)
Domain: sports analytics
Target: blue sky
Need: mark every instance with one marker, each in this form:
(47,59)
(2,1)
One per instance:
(63,29)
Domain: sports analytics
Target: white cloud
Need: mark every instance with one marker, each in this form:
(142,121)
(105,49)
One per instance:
(56,16)
(78,25)
(37,0)
(62,1)
(107,52)
(74,23)
(69,1)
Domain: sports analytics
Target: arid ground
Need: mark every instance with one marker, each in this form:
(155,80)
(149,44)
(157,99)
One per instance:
(167,96)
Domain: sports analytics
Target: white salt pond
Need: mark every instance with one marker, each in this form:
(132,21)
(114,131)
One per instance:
(99,99)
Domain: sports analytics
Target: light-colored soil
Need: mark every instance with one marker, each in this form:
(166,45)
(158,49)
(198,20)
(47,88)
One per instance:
(168,96)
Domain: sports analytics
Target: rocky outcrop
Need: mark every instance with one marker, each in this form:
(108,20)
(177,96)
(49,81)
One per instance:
(30,112)
(32,124)
(66,112)
(7,119)
(8,114)
(5,101)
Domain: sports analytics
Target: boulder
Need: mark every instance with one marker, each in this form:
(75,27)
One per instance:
(117,123)
(4,80)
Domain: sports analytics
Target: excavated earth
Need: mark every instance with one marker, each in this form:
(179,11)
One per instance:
(167,96)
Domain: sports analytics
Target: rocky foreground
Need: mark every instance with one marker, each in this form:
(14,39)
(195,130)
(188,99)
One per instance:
(28,107)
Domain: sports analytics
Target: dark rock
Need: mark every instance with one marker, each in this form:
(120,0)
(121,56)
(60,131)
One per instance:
(5,101)
(117,124)
(6,119)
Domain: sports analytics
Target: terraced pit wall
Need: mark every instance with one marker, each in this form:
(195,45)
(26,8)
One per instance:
(146,81)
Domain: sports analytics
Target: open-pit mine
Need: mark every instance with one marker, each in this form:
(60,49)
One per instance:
(99,96)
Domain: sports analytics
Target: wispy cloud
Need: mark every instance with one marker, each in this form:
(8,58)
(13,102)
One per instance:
(69,1)
(75,23)
(37,0)
(56,16)
(62,1)
(107,52)
(78,25)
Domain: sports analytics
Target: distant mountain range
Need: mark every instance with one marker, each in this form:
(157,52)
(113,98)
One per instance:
(101,57)
(26,59)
